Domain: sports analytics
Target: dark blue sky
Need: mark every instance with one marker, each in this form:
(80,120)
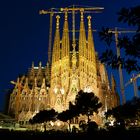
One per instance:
(24,34)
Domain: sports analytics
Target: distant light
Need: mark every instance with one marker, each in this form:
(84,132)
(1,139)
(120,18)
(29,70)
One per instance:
(37,67)
(58,123)
(52,123)
(12,82)
(111,123)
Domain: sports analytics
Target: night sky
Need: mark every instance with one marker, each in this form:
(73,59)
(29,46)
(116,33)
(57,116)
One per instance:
(24,35)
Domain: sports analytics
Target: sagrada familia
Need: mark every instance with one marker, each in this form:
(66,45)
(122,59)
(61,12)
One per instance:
(74,66)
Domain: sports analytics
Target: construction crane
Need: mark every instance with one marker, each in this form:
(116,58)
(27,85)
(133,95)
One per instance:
(133,80)
(19,86)
(52,11)
(71,9)
(117,32)
(82,10)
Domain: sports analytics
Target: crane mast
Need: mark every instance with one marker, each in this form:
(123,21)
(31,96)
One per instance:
(50,38)
(120,70)
(73,27)
(116,32)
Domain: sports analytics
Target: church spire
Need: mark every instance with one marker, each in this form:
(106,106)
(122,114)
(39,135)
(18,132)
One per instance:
(47,73)
(26,87)
(114,91)
(32,65)
(56,46)
(40,72)
(74,60)
(113,83)
(82,37)
(91,52)
(91,49)
(43,87)
(32,72)
(65,37)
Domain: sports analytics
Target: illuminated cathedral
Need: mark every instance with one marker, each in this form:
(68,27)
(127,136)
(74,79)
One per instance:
(74,66)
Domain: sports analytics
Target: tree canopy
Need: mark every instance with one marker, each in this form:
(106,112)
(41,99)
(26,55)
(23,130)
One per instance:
(44,116)
(85,104)
(128,111)
(69,113)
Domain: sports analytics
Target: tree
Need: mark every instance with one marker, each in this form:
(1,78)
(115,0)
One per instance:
(130,45)
(85,104)
(92,126)
(126,112)
(44,116)
(69,114)
(83,125)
